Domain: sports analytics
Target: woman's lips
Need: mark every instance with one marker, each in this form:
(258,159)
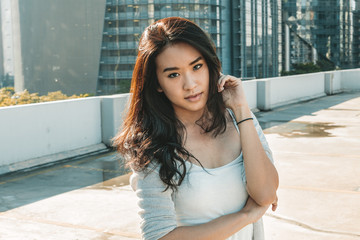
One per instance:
(194,97)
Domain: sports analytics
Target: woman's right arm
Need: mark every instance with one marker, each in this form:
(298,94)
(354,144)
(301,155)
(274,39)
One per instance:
(159,217)
(222,227)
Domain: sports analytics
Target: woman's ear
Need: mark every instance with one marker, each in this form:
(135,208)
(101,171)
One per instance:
(159,89)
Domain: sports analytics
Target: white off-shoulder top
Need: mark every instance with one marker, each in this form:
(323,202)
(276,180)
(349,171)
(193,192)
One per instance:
(205,194)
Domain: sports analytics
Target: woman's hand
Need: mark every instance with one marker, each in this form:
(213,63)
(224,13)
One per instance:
(274,204)
(232,91)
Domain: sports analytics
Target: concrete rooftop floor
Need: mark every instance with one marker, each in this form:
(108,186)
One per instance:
(316,146)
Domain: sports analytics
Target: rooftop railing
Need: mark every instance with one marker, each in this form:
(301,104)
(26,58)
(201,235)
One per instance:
(43,133)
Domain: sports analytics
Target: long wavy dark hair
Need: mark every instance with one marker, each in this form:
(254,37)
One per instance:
(151,133)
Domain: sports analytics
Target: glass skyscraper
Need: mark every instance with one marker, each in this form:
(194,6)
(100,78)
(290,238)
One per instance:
(356,39)
(255,38)
(295,49)
(125,20)
(91,46)
(328,25)
(247,35)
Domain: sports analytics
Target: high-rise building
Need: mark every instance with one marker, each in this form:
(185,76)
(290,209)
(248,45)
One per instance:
(56,45)
(125,21)
(356,39)
(6,44)
(289,9)
(296,50)
(2,73)
(254,37)
(327,25)
(247,35)
(91,46)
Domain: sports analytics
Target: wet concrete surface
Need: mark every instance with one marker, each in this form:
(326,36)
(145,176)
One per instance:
(317,155)
(25,187)
(295,129)
(316,147)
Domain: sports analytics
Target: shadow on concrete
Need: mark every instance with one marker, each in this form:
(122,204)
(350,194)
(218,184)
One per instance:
(25,187)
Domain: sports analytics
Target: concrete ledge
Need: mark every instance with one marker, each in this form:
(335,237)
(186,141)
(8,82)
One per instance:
(36,130)
(333,82)
(275,92)
(29,134)
(51,158)
(350,80)
(113,109)
(263,95)
(250,88)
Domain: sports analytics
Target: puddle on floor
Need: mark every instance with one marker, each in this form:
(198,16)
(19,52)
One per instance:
(112,183)
(303,129)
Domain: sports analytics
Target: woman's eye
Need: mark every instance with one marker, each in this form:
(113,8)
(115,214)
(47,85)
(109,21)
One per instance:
(198,66)
(173,75)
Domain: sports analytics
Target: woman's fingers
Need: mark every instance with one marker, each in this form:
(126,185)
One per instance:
(274,204)
(226,81)
(274,207)
(221,82)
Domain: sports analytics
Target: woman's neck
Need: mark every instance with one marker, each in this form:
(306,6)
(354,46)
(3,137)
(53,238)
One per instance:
(190,119)
(195,122)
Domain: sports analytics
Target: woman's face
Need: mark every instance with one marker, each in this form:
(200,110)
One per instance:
(183,77)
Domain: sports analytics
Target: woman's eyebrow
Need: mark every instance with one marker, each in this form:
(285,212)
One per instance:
(196,60)
(176,68)
(171,69)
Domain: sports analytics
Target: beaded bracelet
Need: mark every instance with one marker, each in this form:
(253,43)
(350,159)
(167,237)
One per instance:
(244,120)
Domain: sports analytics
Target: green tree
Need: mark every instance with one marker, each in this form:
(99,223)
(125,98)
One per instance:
(325,65)
(8,97)
(302,68)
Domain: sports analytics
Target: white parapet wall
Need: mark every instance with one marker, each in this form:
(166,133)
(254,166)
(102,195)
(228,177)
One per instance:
(279,91)
(37,134)
(250,89)
(350,79)
(113,110)
(333,82)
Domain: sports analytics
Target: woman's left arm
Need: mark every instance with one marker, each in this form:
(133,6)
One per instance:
(262,177)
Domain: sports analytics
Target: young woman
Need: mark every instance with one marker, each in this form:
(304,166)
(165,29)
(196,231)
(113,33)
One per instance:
(202,168)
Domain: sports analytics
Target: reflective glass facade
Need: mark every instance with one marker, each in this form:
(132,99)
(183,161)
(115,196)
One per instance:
(296,49)
(256,38)
(328,25)
(125,20)
(356,39)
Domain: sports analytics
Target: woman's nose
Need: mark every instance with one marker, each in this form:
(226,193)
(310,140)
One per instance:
(189,82)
